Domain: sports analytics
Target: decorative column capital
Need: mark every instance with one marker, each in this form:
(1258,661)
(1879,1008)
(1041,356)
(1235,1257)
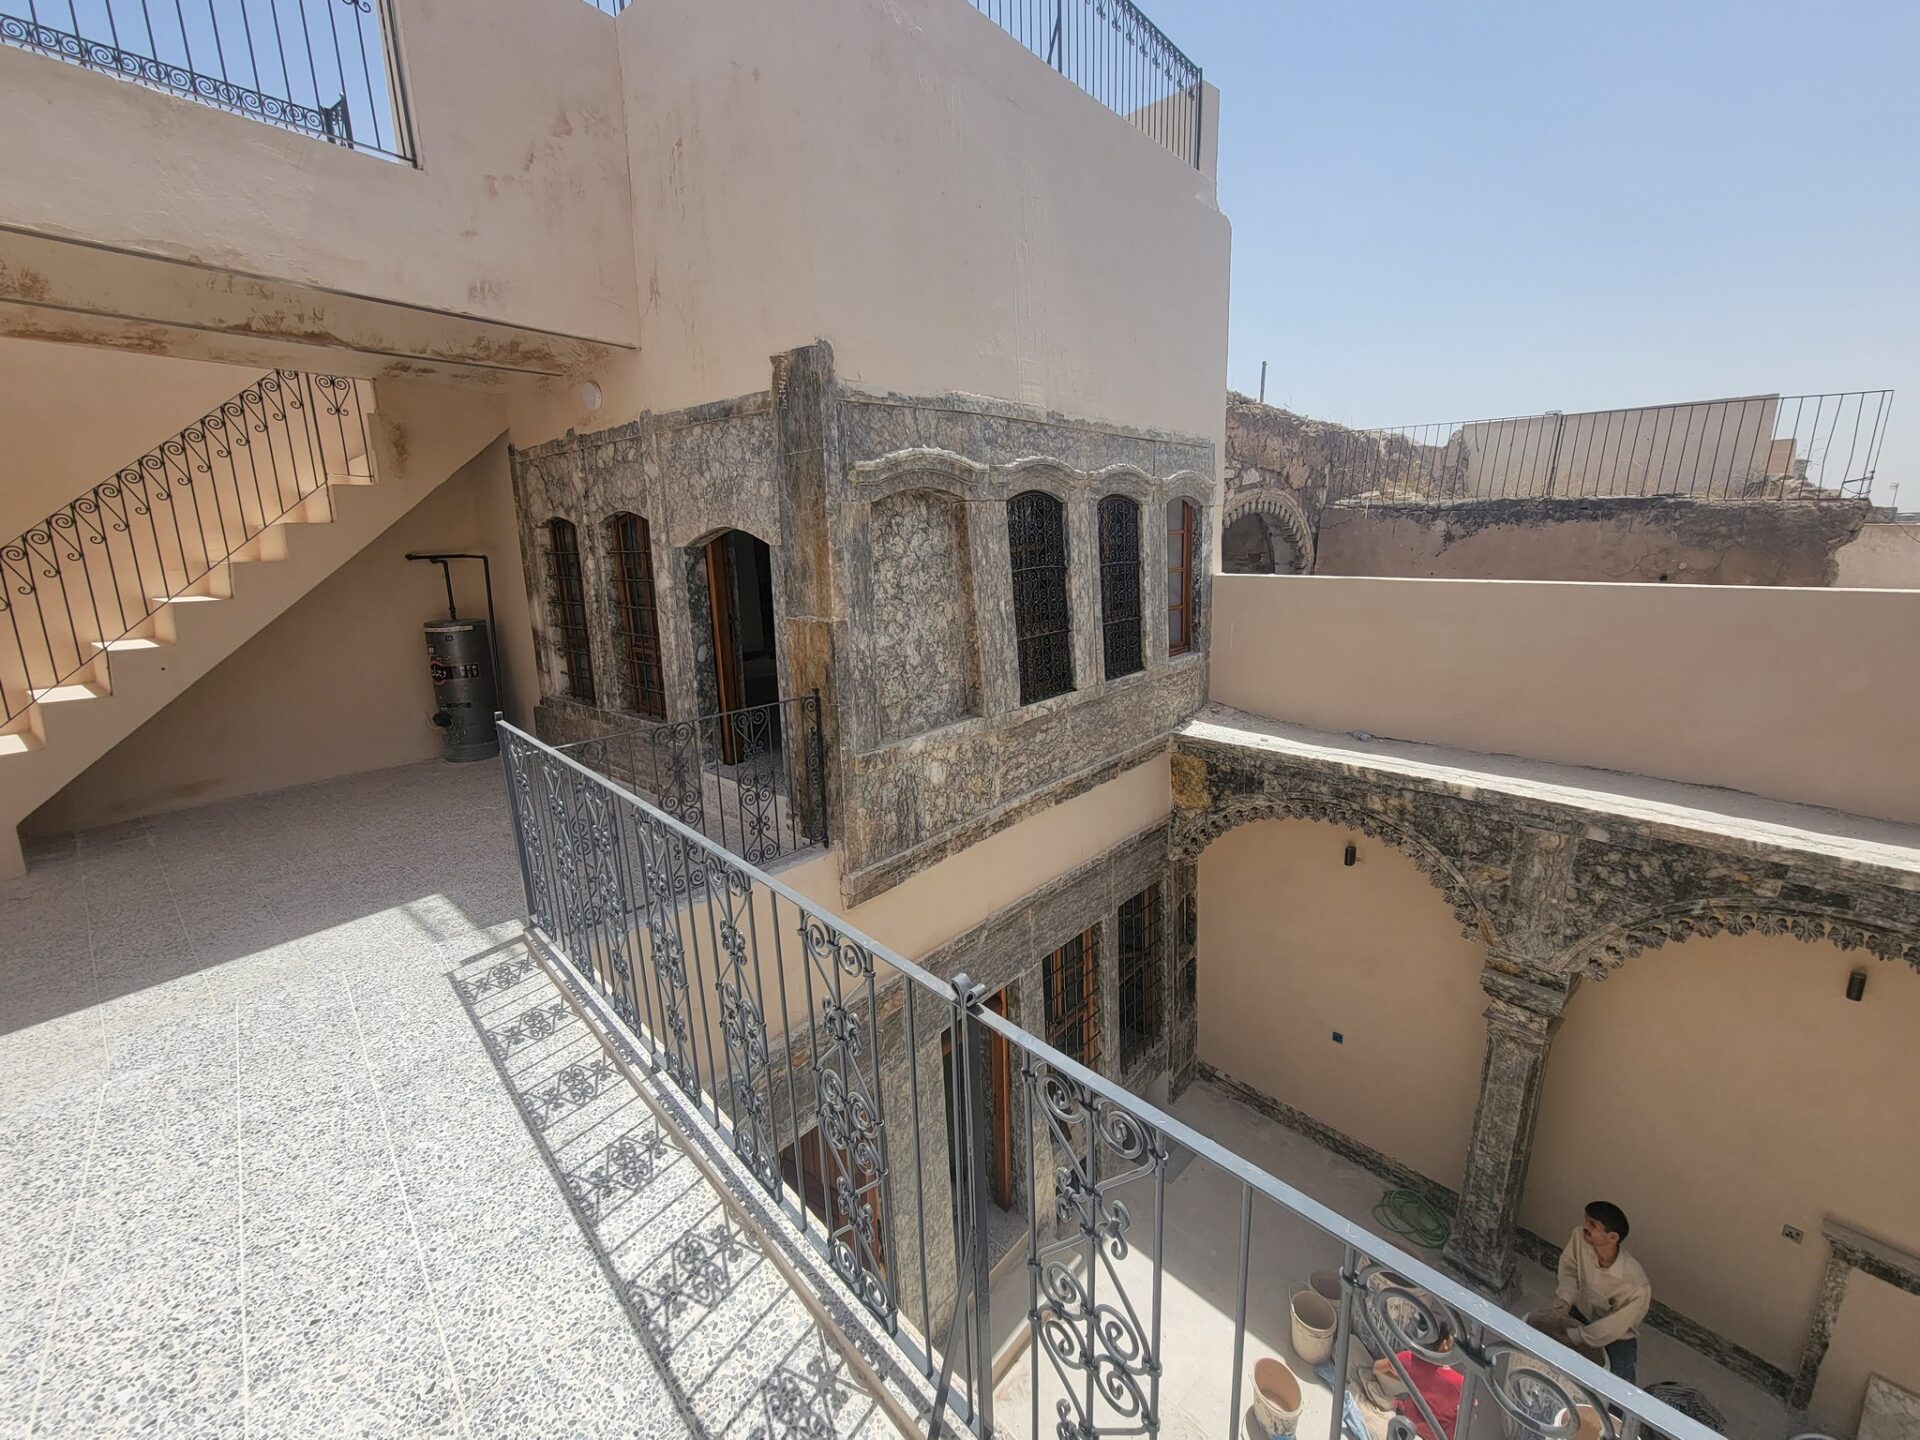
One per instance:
(1525,1007)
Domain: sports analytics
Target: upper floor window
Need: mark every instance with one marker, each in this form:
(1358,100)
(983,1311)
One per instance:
(1072,1008)
(1042,628)
(1182,520)
(636,614)
(1139,964)
(567,609)
(1120,585)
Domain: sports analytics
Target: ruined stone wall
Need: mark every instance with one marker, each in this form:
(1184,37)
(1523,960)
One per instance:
(1655,539)
(1335,501)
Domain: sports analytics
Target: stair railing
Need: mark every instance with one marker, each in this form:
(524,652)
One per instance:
(99,568)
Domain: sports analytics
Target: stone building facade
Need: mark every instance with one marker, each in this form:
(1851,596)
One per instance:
(885,522)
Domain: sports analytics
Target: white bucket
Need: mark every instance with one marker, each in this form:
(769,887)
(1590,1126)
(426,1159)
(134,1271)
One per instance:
(1314,1319)
(1276,1396)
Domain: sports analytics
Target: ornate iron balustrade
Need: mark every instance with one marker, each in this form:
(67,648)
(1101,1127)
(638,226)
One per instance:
(753,780)
(870,1100)
(326,68)
(101,566)
(1118,56)
(1757,447)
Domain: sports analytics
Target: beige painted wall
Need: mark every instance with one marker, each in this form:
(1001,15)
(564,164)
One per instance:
(1797,694)
(903,179)
(1720,1089)
(518,211)
(1881,557)
(1878,1334)
(1295,945)
(954,895)
(73,415)
(336,685)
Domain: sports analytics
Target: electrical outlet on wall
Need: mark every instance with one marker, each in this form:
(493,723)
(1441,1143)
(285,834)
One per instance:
(1793,1233)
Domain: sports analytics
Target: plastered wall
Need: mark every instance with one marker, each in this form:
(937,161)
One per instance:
(518,210)
(336,685)
(903,179)
(1295,945)
(1795,694)
(1723,1088)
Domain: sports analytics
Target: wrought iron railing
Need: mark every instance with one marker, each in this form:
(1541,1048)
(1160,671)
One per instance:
(1118,56)
(753,780)
(98,569)
(872,1101)
(1756,447)
(326,68)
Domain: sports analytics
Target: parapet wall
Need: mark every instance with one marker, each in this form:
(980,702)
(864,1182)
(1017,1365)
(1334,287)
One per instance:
(1802,695)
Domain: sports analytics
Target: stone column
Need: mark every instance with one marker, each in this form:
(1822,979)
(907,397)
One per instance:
(1522,1016)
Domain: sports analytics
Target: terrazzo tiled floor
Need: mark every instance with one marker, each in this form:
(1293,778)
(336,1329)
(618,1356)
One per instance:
(295,1140)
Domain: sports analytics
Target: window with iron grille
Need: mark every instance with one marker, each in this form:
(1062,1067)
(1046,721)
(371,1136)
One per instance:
(567,609)
(1139,975)
(1072,1011)
(1043,631)
(636,615)
(1181,517)
(1120,584)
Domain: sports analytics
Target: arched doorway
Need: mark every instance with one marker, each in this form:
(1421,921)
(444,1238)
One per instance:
(741,644)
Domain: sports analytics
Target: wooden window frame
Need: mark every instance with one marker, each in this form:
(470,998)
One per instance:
(1073,1017)
(1122,618)
(567,609)
(1183,518)
(1037,553)
(1139,945)
(636,613)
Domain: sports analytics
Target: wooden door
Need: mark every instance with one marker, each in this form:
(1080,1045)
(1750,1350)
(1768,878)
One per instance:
(726,642)
(999,1104)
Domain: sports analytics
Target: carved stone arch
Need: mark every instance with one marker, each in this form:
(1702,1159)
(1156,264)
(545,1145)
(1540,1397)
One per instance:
(1286,512)
(1189,485)
(1193,835)
(1599,954)
(1038,472)
(922,467)
(1128,480)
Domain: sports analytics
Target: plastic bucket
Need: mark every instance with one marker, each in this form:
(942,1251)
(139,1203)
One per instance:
(1276,1396)
(1314,1319)
(1326,1283)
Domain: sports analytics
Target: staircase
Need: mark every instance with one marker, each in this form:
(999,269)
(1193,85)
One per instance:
(121,599)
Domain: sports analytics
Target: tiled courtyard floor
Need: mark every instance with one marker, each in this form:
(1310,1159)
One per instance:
(296,1140)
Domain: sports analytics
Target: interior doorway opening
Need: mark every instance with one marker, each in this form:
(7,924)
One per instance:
(745,648)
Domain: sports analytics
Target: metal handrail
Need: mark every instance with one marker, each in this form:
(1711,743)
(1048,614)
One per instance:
(103,565)
(325,68)
(751,779)
(1113,52)
(1750,447)
(623,893)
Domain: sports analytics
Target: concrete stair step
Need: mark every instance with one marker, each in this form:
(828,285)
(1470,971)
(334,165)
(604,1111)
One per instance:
(69,691)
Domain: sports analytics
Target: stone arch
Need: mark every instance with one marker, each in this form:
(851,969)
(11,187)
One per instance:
(1286,513)
(1191,836)
(1600,953)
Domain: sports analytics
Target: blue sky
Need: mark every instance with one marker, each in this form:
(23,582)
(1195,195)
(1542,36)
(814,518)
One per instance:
(1447,209)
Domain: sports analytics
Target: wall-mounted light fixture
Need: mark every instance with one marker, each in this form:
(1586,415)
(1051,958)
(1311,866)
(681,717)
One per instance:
(1856,985)
(1352,855)
(591,396)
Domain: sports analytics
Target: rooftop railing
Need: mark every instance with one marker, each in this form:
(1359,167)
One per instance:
(324,68)
(1118,56)
(913,1135)
(1754,447)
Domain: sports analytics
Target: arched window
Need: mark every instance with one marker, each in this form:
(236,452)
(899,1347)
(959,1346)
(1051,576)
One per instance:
(1182,519)
(1120,585)
(1042,629)
(567,609)
(636,615)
